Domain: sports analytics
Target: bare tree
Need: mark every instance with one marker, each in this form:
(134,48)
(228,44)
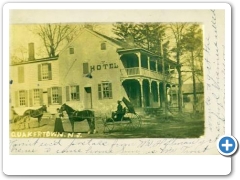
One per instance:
(53,35)
(178,33)
(19,54)
(192,43)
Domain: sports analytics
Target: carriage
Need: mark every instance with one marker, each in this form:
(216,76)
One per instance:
(129,119)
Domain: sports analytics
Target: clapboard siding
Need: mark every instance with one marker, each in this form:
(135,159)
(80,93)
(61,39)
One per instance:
(87,49)
(31,82)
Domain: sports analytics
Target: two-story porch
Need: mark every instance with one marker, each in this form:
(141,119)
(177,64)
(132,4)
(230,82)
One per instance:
(142,77)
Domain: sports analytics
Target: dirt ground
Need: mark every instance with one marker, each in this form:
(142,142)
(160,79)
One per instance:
(178,126)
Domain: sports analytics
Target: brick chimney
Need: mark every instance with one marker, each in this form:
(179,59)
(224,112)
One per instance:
(31,51)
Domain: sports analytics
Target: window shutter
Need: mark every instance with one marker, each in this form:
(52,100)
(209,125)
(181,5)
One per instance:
(103,46)
(20,74)
(26,98)
(39,72)
(16,99)
(30,97)
(78,93)
(60,95)
(41,96)
(99,91)
(49,96)
(67,93)
(110,90)
(85,68)
(49,71)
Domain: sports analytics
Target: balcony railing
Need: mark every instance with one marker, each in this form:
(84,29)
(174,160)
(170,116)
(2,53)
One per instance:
(132,71)
(136,71)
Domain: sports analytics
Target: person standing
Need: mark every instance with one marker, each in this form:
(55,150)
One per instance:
(58,127)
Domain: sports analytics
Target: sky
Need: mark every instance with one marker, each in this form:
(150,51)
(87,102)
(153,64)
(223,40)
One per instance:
(22,34)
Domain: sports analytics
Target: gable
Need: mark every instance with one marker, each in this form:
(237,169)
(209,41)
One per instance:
(90,39)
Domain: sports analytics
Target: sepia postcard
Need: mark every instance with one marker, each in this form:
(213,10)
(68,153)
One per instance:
(116,81)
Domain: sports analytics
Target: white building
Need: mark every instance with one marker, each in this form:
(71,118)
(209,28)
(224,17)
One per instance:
(117,69)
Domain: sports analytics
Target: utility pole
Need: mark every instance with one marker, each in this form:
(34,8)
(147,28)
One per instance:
(164,82)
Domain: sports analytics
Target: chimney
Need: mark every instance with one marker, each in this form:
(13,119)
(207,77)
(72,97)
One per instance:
(88,26)
(31,51)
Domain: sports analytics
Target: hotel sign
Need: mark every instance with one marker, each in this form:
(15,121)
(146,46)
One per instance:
(103,66)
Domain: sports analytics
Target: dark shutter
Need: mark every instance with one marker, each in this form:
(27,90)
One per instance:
(78,93)
(60,95)
(16,99)
(49,96)
(20,74)
(49,71)
(30,97)
(41,96)
(110,90)
(71,50)
(99,91)
(39,72)
(85,68)
(103,46)
(26,98)
(67,93)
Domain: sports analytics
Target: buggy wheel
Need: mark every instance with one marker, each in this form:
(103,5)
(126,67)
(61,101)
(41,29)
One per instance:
(135,120)
(108,125)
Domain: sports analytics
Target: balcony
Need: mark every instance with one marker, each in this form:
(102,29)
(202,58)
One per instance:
(144,72)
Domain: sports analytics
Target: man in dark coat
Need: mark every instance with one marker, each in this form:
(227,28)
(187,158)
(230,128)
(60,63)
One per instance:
(117,115)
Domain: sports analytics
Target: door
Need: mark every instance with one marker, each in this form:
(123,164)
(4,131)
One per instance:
(88,98)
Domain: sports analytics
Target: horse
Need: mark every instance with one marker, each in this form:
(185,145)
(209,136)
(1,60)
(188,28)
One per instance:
(35,113)
(78,116)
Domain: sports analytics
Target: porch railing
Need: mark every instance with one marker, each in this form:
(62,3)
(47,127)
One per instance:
(136,71)
(129,72)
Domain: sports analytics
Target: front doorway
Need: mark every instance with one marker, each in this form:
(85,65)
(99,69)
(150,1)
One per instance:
(88,97)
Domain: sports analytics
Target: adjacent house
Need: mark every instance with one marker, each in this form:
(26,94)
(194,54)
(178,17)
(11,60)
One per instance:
(188,97)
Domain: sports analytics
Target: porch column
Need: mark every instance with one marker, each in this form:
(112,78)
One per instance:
(159,103)
(177,89)
(148,59)
(141,86)
(171,99)
(139,62)
(150,93)
(150,85)
(156,66)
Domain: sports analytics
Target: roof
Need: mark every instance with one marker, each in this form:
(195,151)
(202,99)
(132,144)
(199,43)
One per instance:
(115,41)
(128,47)
(188,88)
(124,47)
(35,61)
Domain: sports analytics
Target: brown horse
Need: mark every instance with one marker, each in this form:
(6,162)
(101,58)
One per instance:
(35,113)
(78,116)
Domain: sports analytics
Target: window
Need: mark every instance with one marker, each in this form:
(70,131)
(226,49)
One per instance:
(22,98)
(36,97)
(103,46)
(105,90)
(71,50)
(186,98)
(20,74)
(55,95)
(74,92)
(44,71)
